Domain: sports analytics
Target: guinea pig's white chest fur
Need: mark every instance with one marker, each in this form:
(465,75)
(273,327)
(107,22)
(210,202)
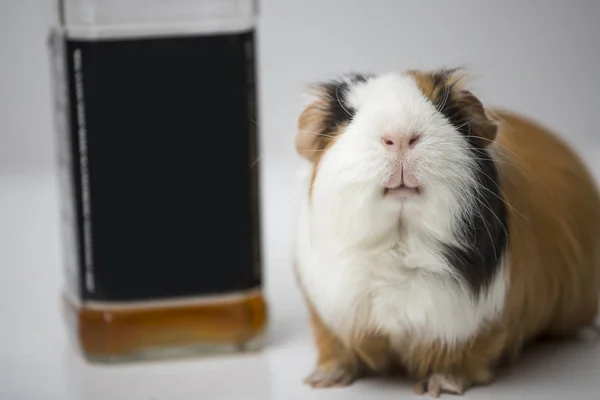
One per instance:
(398,291)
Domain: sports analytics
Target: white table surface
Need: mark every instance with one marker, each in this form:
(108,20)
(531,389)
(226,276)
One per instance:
(36,361)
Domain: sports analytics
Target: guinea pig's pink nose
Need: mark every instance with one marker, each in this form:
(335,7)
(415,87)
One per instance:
(400,141)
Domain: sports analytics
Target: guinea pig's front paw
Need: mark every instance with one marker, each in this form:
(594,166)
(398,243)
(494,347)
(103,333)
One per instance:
(437,384)
(331,374)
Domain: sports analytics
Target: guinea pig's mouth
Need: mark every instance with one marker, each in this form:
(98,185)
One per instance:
(401,191)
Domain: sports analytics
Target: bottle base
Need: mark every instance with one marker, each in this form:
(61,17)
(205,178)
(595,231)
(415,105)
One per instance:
(109,333)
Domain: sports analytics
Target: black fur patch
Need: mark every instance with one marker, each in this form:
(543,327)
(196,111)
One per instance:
(336,93)
(485,231)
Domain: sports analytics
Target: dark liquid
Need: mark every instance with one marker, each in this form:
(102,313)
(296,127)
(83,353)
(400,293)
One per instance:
(170,151)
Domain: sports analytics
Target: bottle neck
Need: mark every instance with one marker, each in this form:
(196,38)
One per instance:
(112,19)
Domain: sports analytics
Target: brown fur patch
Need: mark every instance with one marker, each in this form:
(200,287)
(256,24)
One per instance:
(432,84)
(310,138)
(555,231)
(446,90)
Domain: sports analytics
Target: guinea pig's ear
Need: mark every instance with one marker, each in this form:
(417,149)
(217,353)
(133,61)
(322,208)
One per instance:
(310,135)
(480,123)
(327,116)
(467,111)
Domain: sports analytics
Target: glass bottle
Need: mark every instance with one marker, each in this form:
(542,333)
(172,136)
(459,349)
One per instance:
(156,121)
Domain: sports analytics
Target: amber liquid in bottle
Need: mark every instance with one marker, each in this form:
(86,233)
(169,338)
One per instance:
(169,330)
(160,194)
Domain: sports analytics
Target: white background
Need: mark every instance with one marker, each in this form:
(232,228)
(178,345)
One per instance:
(538,57)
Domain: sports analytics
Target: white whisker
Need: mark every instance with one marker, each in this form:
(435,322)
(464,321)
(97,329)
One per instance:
(305,132)
(337,97)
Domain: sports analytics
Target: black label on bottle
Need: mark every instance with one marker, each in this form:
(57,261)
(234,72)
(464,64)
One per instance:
(161,141)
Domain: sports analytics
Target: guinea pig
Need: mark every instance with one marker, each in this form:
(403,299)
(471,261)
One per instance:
(438,237)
